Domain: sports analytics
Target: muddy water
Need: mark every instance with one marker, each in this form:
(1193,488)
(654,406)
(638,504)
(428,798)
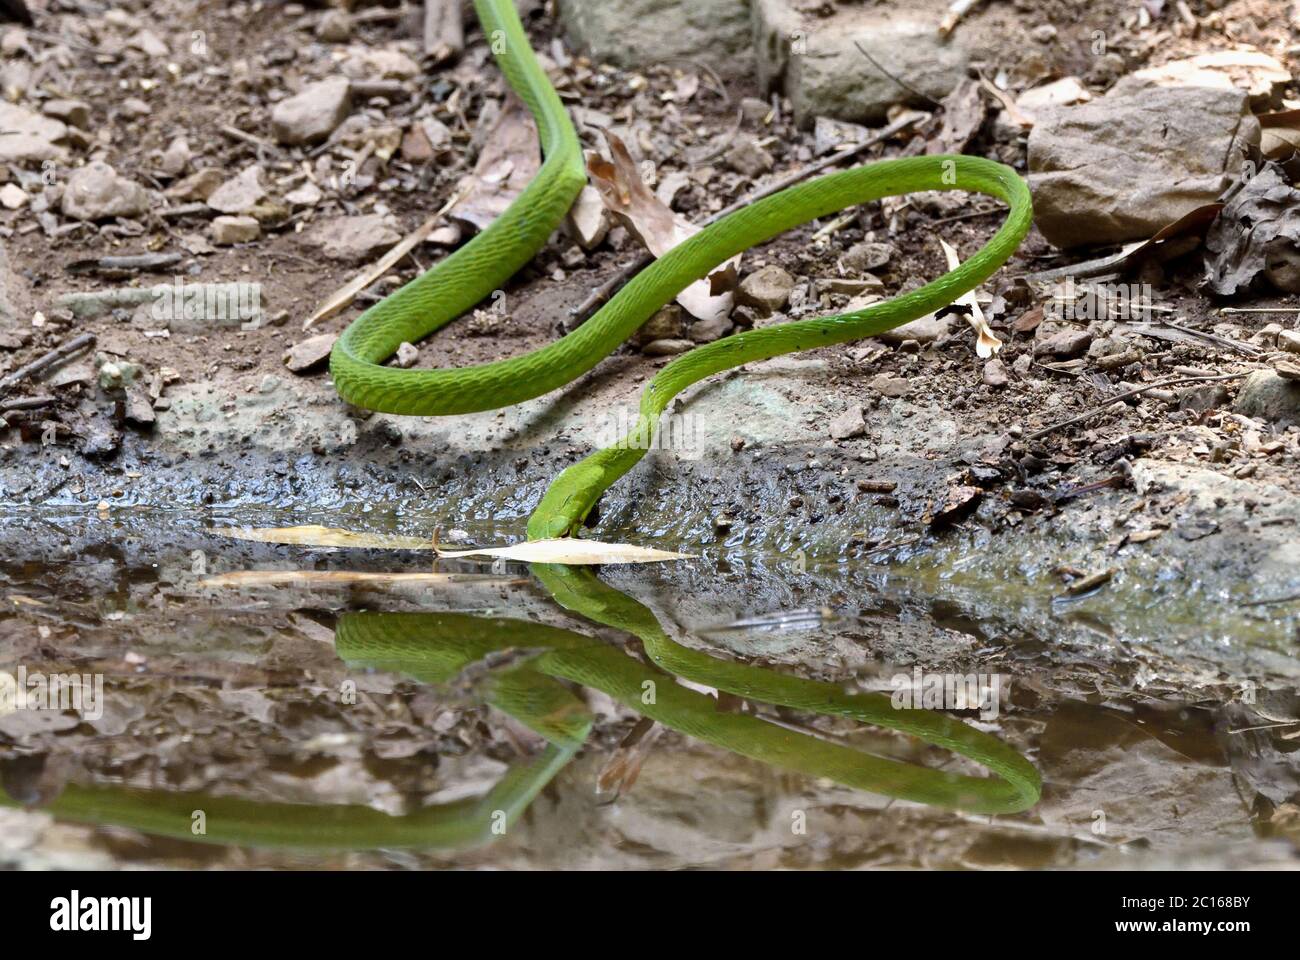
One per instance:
(322,718)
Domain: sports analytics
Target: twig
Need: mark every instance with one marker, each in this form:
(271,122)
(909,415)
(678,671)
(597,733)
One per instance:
(1088,414)
(25,403)
(601,293)
(897,79)
(49,359)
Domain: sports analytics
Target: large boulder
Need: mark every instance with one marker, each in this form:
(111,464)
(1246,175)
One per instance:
(634,33)
(1125,165)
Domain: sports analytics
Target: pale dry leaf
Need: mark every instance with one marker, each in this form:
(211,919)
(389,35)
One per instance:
(508,162)
(986,342)
(317,536)
(569,550)
(653,223)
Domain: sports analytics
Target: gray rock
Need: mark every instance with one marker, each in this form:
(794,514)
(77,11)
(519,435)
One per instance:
(310,352)
(335,26)
(231,230)
(716,30)
(1270,397)
(666,324)
(1125,165)
(767,289)
(312,115)
(239,193)
(667,348)
(995,373)
(867,255)
(851,423)
(1067,343)
(923,330)
(96,192)
(749,158)
(74,113)
(827,75)
(353,239)
(29,137)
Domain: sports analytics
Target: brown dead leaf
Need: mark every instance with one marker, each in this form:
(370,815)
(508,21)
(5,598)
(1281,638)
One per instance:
(653,223)
(509,160)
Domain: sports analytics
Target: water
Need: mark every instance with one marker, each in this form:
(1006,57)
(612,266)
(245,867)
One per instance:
(497,716)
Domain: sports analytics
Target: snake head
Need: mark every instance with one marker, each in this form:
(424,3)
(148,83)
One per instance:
(567,502)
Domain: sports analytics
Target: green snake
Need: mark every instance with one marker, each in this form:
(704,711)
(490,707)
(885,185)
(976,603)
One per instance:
(435,648)
(484,264)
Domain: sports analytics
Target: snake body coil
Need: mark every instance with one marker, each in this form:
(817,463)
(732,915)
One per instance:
(483,265)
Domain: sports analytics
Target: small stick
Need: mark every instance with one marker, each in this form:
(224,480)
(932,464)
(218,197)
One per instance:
(601,293)
(1088,414)
(49,359)
(26,403)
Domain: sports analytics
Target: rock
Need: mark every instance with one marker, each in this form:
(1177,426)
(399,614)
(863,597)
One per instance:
(311,116)
(1198,399)
(29,137)
(588,222)
(748,158)
(768,289)
(923,330)
(230,230)
(1270,397)
(1287,369)
(829,134)
(717,31)
(866,256)
(888,386)
(1064,344)
(199,185)
(667,348)
(13,196)
(1125,165)
(407,355)
(1282,265)
(666,324)
(995,373)
(240,193)
(335,26)
(175,158)
(308,195)
(849,424)
(1289,340)
(353,239)
(74,113)
(96,192)
(380,64)
(306,354)
(826,74)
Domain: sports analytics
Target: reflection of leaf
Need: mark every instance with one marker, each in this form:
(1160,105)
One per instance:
(570,550)
(1264,212)
(986,342)
(509,159)
(628,198)
(315,536)
(328,578)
